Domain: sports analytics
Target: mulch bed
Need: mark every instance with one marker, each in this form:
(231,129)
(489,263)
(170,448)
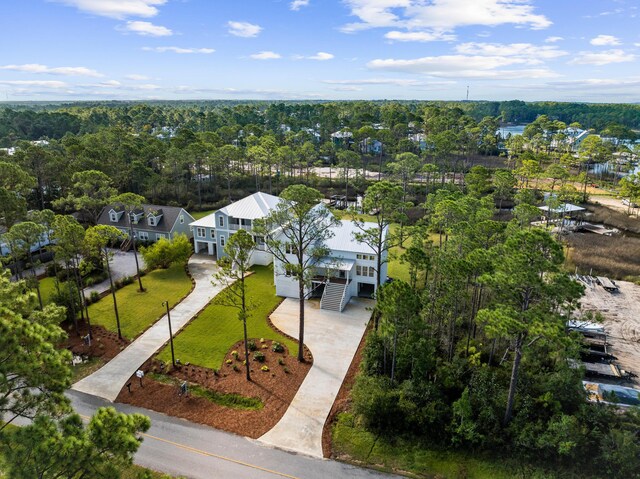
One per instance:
(105,344)
(275,388)
(342,402)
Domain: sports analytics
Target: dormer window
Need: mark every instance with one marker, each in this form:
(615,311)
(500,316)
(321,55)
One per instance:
(152,220)
(114,216)
(221,221)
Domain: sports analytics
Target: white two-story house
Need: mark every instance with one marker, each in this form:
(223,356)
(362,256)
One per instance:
(211,233)
(348,270)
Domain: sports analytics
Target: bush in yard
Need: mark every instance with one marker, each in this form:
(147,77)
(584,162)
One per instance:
(252,345)
(165,252)
(276,347)
(258,356)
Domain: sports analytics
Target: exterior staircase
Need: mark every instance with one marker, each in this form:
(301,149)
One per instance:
(333,297)
(126,245)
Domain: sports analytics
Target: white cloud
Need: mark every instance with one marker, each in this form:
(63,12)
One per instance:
(418,36)
(38,83)
(376,81)
(463,66)
(244,29)
(147,29)
(596,83)
(320,56)
(136,77)
(347,88)
(178,50)
(553,39)
(298,4)
(602,58)
(265,55)
(119,9)
(605,40)
(526,51)
(442,15)
(37,68)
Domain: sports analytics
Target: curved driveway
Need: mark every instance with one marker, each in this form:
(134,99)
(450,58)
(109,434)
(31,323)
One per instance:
(107,381)
(333,339)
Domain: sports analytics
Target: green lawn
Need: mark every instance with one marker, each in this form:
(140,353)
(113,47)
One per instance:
(47,289)
(137,310)
(207,339)
(363,447)
(201,214)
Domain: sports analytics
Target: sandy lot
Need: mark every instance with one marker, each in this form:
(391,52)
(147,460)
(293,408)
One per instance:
(621,313)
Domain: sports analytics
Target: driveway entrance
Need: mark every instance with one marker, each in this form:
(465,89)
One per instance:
(333,339)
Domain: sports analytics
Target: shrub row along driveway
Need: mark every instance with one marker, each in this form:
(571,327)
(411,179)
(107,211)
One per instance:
(109,380)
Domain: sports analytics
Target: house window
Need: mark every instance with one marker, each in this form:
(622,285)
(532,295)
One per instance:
(221,221)
(290,248)
(113,217)
(358,256)
(213,233)
(152,221)
(143,236)
(181,219)
(288,270)
(222,242)
(372,257)
(159,236)
(365,271)
(201,232)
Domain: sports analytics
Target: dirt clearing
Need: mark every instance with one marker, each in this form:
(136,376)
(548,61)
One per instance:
(621,312)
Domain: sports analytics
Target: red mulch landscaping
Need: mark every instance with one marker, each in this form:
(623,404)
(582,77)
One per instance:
(343,399)
(276,388)
(105,344)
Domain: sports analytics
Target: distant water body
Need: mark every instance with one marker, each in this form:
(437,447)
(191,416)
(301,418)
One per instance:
(511,129)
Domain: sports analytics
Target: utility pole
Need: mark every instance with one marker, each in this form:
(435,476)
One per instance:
(173,355)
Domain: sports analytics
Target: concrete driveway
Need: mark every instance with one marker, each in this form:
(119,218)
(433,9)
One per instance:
(122,264)
(107,381)
(333,339)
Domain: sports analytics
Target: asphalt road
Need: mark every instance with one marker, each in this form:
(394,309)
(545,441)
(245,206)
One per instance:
(181,448)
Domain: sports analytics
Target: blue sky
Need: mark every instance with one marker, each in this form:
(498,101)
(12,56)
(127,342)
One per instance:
(321,49)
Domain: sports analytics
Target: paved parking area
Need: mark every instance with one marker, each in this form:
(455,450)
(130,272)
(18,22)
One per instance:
(333,339)
(122,264)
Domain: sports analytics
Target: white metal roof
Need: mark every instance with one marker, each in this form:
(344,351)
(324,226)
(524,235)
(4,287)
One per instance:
(208,221)
(336,263)
(343,239)
(565,208)
(258,205)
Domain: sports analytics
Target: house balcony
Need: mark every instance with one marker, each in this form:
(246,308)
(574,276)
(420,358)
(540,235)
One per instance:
(236,227)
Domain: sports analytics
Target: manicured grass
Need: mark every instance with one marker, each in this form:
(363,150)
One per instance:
(47,289)
(361,446)
(138,311)
(201,214)
(207,339)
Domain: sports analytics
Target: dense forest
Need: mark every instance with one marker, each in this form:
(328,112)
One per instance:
(33,121)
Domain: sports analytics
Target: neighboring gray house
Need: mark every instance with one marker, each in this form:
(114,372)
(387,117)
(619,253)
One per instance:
(349,270)
(212,232)
(150,223)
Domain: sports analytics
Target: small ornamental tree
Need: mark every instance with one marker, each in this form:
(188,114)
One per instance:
(233,269)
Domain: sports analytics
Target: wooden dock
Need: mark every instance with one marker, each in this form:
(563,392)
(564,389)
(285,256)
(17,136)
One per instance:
(597,229)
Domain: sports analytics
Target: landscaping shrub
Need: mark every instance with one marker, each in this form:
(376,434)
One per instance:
(252,345)
(166,252)
(276,347)
(259,356)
